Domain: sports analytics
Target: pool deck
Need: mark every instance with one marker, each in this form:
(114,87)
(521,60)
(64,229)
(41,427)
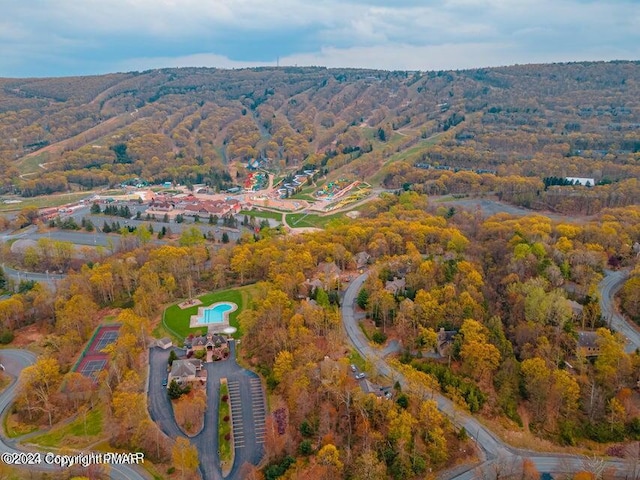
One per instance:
(196,320)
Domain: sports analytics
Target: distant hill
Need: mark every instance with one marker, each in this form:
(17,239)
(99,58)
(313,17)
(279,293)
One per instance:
(197,125)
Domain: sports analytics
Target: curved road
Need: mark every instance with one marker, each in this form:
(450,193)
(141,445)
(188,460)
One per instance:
(14,361)
(50,279)
(498,455)
(609,286)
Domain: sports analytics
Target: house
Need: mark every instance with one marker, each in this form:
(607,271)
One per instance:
(309,286)
(395,286)
(164,343)
(576,308)
(204,342)
(362,259)
(379,391)
(329,273)
(444,341)
(162,203)
(186,371)
(588,344)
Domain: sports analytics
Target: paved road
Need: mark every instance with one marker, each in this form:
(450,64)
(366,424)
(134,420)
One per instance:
(609,286)
(497,454)
(18,275)
(248,409)
(14,361)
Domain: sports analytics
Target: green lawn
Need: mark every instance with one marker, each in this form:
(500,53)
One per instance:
(299,220)
(44,201)
(262,214)
(77,433)
(176,320)
(303,196)
(31,164)
(15,429)
(409,154)
(224,428)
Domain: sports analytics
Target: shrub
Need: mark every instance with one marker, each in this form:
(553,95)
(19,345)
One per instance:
(305,447)
(306,429)
(227,437)
(226,418)
(225,398)
(379,337)
(6,336)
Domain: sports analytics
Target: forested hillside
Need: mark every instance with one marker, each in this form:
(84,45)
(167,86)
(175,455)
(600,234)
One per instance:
(508,317)
(503,130)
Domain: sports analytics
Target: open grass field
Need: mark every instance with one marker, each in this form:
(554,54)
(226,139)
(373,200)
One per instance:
(306,220)
(304,196)
(30,164)
(81,432)
(409,154)
(176,320)
(44,201)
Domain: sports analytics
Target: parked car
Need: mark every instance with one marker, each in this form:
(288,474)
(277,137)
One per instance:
(360,375)
(164,382)
(354,368)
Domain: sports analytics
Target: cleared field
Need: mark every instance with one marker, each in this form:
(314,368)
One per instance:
(310,220)
(45,201)
(81,432)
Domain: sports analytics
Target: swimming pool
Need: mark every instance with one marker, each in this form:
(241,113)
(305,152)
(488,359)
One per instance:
(215,314)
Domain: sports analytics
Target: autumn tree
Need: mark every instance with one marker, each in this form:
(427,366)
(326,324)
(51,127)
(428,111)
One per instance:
(479,357)
(184,456)
(38,385)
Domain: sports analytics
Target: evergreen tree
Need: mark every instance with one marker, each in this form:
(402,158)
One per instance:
(172,356)
(175,391)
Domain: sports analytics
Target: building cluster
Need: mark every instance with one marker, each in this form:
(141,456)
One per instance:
(191,206)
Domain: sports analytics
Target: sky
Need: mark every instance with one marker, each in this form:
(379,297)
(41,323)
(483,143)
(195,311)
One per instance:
(45,38)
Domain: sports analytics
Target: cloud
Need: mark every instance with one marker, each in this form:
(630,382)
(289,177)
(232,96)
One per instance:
(58,37)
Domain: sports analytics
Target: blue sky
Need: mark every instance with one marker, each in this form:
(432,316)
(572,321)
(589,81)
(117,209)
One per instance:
(79,37)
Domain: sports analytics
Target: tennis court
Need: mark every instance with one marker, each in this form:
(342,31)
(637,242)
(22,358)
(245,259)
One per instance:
(91,367)
(104,338)
(93,359)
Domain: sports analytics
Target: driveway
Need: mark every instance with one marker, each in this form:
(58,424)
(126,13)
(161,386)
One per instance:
(247,409)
